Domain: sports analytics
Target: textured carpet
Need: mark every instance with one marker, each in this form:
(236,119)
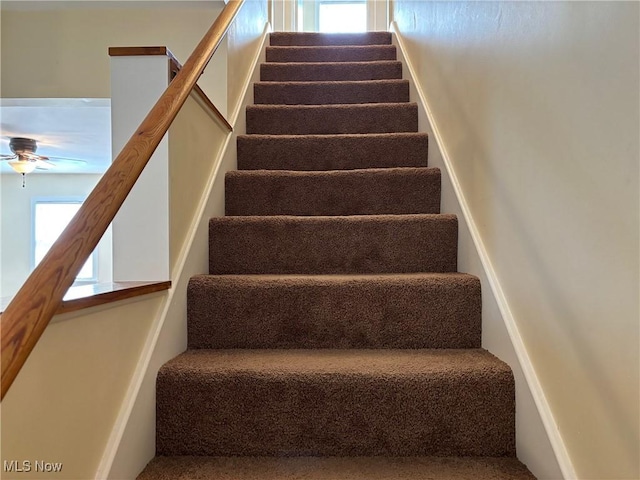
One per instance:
(333,337)
(340,244)
(422,310)
(323,39)
(336,119)
(322,71)
(316,93)
(360,53)
(350,192)
(354,468)
(332,152)
(335,403)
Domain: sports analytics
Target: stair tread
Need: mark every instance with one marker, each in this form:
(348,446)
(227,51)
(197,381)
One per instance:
(332,119)
(336,402)
(334,136)
(318,71)
(391,243)
(331,92)
(420,310)
(335,106)
(356,83)
(324,279)
(311,48)
(335,468)
(315,219)
(378,364)
(316,38)
(333,192)
(355,63)
(361,172)
(332,53)
(332,151)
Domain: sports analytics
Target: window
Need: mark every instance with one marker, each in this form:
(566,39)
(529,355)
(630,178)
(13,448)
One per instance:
(331,16)
(336,16)
(50,217)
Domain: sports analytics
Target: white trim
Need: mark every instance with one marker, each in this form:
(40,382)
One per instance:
(246,85)
(117,432)
(544,410)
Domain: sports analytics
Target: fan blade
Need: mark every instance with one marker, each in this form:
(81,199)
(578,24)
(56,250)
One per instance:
(43,165)
(8,157)
(65,160)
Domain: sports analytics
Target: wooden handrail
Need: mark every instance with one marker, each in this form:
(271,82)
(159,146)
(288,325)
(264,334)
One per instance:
(30,311)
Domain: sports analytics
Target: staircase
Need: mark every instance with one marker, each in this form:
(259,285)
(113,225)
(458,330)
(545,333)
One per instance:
(334,337)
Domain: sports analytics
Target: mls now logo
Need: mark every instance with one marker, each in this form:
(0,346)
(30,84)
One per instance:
(28,466)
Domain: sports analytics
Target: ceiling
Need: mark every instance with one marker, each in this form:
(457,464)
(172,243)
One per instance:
(74,128)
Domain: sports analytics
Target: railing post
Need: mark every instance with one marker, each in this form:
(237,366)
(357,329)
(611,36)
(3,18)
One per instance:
(141,227)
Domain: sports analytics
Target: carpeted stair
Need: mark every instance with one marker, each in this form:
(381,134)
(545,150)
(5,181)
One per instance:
(333,337)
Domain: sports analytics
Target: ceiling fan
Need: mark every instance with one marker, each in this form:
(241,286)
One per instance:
(25,160)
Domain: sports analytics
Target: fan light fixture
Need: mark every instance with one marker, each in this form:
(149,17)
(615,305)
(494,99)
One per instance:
(22,166)
(25,160)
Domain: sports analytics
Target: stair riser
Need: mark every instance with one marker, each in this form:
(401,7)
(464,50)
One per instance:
(310,39)
(336,468)
(341,152)
(336,119)
(342,415)
(301,72)
(302,93)
(230,312)
(336,54)
(386,191)
(369,244)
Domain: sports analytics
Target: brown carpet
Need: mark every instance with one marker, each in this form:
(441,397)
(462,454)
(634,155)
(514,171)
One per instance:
(336,403)
(353,468)
(317,93)
(323,72)
(340,244)
(336,119)
(343,192)
(349,53)
(332,152)
(334,311)
(322,39)
(333,337)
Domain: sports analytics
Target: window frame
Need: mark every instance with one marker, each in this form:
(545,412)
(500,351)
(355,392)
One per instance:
(78,200)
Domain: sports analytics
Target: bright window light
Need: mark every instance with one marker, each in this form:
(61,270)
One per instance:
(343,17)
(50,219)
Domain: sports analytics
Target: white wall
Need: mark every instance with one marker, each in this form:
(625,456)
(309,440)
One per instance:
(63,403)
(538,105)
(17,220)
(65,52)
(211,152)
(67,401)
(243,39)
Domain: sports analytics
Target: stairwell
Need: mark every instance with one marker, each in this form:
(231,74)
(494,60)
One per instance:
(334,337)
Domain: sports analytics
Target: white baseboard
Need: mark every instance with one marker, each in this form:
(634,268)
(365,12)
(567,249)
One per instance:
(141,372)
(543,410)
